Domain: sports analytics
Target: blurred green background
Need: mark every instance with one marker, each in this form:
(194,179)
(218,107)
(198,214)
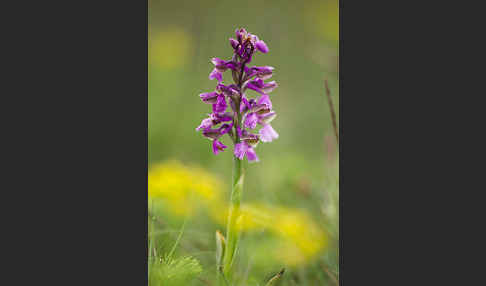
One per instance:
(299,170)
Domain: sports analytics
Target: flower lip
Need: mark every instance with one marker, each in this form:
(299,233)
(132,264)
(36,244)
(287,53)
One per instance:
(251,155)
(206,123)
(267,133)
(240,150)
(218,146)
(251,120)
(216,74)
(220,105)
(264,99)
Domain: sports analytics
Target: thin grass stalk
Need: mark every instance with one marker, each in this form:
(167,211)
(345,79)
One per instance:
(333,114)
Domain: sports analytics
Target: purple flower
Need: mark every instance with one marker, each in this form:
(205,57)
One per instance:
(267,133)
(209,97)
(211,133)
(264,72)
(251,120)
(205,124)
(218,146)
(215,74)
(219,64)
(242,149)
(260,86)
(250,139)
(266,118)
(240,34)
(214,119)
(220,105)
(222,117)
(234,43)
(245,104)
(269,86)
(246,112)
(264,99)
(231,91)
(225,128)
(261,46)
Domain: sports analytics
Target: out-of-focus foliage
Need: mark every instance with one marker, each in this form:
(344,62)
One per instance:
(170,48)
(186,191)
(297,177)
(177,272)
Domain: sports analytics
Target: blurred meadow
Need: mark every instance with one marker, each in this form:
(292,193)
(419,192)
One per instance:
(290,198)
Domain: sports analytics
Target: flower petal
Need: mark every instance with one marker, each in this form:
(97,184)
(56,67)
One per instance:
(251,120)
(261,46)
(245,105)
(215,74)
(267,118)
(267,133)
(219,64)
(269,86)
(234,43)
(264,99)
(205,124)
(240,150)
(211,133)
(218,147)
(209,97)
(225,128)
(251,155)
(220,105)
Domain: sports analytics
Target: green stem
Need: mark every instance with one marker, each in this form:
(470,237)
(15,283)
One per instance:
(232,230)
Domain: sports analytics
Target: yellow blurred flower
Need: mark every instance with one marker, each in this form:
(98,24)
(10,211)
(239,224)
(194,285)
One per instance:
(185,190)
(169,48)
(301,239)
